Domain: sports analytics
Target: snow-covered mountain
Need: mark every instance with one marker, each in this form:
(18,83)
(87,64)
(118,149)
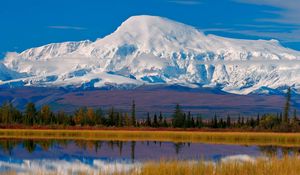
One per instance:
(155,50)
(7,74)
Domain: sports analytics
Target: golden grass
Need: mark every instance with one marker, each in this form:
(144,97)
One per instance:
(274,166)
(241,138)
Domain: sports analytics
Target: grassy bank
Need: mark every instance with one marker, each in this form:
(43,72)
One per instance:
(274,166)
(244,138)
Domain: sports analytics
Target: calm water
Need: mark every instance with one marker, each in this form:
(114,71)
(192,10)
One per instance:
(29,156)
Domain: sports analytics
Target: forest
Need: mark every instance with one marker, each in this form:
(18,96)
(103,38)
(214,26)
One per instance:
(31,116)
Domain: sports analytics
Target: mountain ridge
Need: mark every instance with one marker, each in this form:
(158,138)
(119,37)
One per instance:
(155,50)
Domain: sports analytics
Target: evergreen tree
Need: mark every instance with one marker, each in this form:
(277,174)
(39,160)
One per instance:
(127,120)
(222,124)
(133,118)
(6,113)
(111,117)
(165,123)
(215,122)
(148,121)
(199,122)
(30,114)
(62,118)
(45,114)
(228,121)
(119,120)
(252,123)
(295,119)
(188,120)
(91,117)
(287,106)
(79,117)
(160,119)
(178,117)
(239,122)
(242,121)
(155,121)
(99,117)
(184,120)
(192,122)
(280,117)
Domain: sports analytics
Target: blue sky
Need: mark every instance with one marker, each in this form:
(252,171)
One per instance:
(30,23)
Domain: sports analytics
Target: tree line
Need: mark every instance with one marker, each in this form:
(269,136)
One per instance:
(10,115)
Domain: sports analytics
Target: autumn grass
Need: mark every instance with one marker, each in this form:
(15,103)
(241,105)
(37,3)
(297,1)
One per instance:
(275,166)
(241,138)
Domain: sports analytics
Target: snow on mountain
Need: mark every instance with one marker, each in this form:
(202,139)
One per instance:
(151,50)
(7,74)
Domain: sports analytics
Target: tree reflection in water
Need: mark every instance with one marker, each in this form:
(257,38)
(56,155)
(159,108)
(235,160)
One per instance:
(8,145)
(278,151)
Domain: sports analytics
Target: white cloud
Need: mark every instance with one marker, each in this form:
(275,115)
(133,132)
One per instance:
(186,2)
(287,10)
(292,35)
(67,27)
(289,36)
(216,29)
(284,33)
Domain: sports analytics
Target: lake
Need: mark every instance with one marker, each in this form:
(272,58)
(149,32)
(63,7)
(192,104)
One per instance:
(74,156)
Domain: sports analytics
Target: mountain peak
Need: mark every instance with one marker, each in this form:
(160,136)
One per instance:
(151,21)
(146,23)
(149,32)
(150,50)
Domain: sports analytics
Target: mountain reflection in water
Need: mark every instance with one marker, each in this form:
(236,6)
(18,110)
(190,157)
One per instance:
(102,156)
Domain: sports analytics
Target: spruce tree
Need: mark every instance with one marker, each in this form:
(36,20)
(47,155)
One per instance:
(99,116)
(252,122)
(184,125)
(287,106)
(133,117)
(160,119)
(295,120)
(30,114)
(188,120)
(239,123)
(120,120)
(6,113)
(45,114)
(228,121)
(79,117)
(280,117)
(127,121)
(155,121)
(148,121)
(199,122)
(242,121)
(91,116)
(111,117)
(178,117)
(222,123)
(215,121)
(192,123)
(165,123)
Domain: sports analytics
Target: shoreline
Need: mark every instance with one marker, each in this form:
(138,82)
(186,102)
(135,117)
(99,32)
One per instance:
(210,137)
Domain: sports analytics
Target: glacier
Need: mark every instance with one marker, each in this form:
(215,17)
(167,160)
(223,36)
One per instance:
(148,50)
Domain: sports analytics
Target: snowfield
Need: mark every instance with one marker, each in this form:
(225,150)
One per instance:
(156,50)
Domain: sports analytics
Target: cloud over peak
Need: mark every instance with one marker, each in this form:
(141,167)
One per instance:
(67,27)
